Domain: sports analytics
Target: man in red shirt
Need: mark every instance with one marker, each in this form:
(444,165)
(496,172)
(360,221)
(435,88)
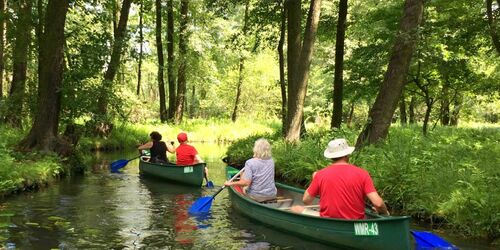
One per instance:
(187,154)
(342,187)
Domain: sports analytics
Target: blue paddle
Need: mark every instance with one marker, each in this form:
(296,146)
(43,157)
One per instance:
(428,240)
(203,204)
(116,165)
(425,240)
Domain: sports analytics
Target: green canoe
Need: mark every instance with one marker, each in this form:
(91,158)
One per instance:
(189,175)
(375,232)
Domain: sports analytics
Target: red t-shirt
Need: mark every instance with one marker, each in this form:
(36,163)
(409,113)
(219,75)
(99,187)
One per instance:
(185,154)
(342,189)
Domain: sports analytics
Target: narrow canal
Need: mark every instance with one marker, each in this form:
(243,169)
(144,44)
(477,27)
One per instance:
(103,210)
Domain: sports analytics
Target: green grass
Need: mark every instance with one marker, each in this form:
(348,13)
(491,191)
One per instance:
(19,171)
(449,177)
(199,130)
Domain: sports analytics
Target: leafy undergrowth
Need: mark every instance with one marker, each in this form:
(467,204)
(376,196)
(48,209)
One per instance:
(450,177)
(21,171)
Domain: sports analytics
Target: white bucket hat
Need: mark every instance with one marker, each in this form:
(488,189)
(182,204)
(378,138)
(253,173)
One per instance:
(337,148)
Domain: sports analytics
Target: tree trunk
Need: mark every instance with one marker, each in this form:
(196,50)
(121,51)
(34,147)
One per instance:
(241,66)
(181,75)
(411,111)
(159,52)
(19,64)
(338,83)
(192,107)
(281,57)
(238,89)
(428,103)
(115,11)
(43,133)
(351,114)
(445,105)
(457,105)
(298,87)
(294,45)
(493,25)
(390,91)
(170,60)
(141,41)
(3,15)
(114,63)
(402,110)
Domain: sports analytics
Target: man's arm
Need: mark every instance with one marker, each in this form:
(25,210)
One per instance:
(197,159)
(378,203)
(171,147)
(307,198)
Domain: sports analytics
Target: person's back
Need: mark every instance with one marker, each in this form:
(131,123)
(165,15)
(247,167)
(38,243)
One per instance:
(159,152)
(261,172)
(342,188)
(185,154)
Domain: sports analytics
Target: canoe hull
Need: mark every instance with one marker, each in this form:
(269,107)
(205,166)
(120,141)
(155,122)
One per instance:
(189,175)
(392,232)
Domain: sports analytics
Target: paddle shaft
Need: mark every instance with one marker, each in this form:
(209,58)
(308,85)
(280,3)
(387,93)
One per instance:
(135,157)
(234,177)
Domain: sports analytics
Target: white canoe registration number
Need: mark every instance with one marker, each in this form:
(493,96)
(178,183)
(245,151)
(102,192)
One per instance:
(188,169)
(366,229)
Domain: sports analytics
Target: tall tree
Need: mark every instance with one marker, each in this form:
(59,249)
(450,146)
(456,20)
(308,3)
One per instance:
(338,82)
(114,63)
(44,132)
(170,60)
(297,86)
(493,25)
(381,113)
(159,52)
(20,63)
(241,64)
(141,45)
(281,56)
(3,15)
(181,75)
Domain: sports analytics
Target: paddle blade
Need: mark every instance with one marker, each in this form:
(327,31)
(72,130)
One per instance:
(210,184)
(428,240)
(201,205)
(118,164)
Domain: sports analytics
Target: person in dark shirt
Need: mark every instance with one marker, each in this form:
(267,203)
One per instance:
(158,148)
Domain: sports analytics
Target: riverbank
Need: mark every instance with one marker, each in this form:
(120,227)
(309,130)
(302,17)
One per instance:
(28,171)
(24,171)
(449,178)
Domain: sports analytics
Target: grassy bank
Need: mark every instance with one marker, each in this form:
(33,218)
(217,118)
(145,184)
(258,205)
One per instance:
(19,171)
(449,178)
(210,130)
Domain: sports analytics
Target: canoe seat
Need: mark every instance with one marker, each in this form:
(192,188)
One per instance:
(276,200)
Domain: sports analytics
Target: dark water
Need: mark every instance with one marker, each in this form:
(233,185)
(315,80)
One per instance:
(104,210)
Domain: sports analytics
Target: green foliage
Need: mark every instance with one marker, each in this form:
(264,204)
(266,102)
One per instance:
(19,171)
(450,175)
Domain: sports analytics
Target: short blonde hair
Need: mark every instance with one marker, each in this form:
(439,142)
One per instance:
(262,149)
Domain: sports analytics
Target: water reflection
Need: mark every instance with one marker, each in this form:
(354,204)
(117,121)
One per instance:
(104,210)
